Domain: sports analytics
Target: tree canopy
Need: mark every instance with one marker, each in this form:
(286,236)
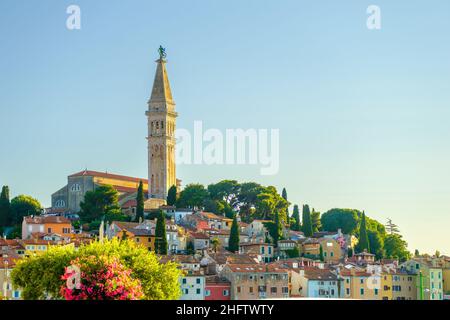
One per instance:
(22,206)
(41,275)
(102,202)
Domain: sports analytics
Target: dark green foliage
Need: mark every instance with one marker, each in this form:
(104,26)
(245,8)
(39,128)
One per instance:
(396,247)
(321,254)
(293,253)
(278,232)
(140,203)
(345,219)
(160,234)
(101,202)
(315,219)
(233,242)
(307,223)
(5,208)
(172,196)
(296,215)
(190,249)
(22,206)
(363,243)
(376,243)
(193,195)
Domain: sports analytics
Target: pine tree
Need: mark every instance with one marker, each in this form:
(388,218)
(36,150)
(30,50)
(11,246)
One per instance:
(172,196)
(233,242)
(5,208)
(307,223)
(315,221)
(296,216)
(363,243)
(160,233)
(140,203)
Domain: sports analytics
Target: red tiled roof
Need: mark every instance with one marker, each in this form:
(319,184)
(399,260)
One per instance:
(107,175)
(46,219)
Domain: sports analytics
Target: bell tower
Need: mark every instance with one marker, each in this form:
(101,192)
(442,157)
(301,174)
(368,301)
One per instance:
(161,117)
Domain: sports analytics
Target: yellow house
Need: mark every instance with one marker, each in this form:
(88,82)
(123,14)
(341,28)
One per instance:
(35,245)
(143,237)
(331,249)
(361,285)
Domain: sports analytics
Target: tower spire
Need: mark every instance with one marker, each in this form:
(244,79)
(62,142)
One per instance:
(161,133)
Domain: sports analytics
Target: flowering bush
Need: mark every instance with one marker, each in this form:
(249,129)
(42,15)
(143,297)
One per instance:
(101,278)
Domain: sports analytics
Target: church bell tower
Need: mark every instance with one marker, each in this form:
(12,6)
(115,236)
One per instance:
(161,117)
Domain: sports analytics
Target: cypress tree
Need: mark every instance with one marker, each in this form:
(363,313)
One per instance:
(363,236)
(284,196)
(5,208)
(190,249)
(296,216)
(160,233)
(233,242)
(307,223)
(172,196)
(140,203)
(321,254)
(278,234)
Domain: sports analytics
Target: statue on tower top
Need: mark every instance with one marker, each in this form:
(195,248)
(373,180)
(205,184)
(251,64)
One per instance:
(162,53)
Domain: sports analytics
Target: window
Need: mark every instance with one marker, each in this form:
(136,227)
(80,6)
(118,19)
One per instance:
(49,230)
(184,281)
(273,290)
(75,187)
(262,250)
(198,280)
(250,290)
(207,293)
(361,280)
(361,291)
(270,250)
(225,293)
(332,292)
(186,291)
(198,291)
(331,254)
(238,289)
(376,291)
(347,291)
(60,204)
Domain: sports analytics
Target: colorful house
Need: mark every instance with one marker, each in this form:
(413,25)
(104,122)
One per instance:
(217,288)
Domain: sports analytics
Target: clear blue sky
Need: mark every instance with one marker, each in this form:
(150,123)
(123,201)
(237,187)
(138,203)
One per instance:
(363,115)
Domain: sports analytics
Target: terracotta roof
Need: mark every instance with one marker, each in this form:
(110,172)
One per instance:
(37,242)
(211,280)
(125,225)
(314,273)
(210,215)
(199,235)
(108,175)
(141,232)
(256,268)
(46,219)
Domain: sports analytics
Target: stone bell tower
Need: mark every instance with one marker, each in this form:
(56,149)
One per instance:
(161,133)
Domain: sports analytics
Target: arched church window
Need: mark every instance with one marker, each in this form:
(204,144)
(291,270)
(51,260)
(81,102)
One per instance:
(75,187)
(60,204)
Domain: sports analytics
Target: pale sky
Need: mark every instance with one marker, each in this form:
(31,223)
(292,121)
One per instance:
(363,114)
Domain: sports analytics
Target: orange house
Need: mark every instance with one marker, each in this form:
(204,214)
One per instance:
(46,225)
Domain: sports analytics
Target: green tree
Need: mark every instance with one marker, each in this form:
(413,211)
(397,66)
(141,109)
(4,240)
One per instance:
(172,196)
(278,234)
(284,196)
(140,203)
(321,257)
(345,219)
(160,234)
(99,203)
(40,275)
(190,248)
(296,216)
(5,208)
(376,243)
(215,243)
(315,218)
(293,253)
(233,242)
(22,206)
(396,247)
(416,253)
(307,223)
(363,243)
(193,195)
